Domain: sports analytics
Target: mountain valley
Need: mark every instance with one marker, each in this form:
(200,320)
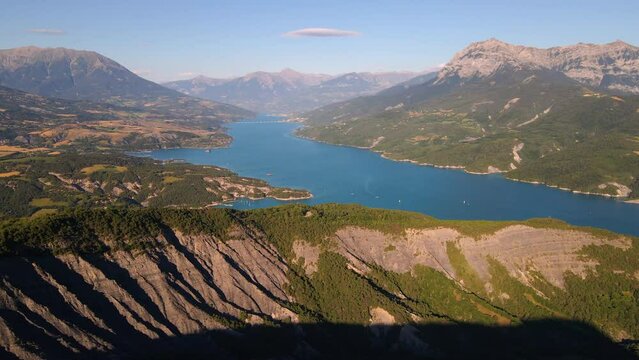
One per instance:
(107,252)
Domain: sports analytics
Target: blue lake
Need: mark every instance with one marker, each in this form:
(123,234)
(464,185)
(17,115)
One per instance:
(270,151)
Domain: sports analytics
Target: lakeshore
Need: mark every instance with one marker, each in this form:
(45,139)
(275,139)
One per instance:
(342,174)
(390,157)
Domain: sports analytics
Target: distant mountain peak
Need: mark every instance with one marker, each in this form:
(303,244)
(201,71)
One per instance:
(289,90)
(52,52)
(613,66)
(69,74)
(621,43)
(30,55)
(352,75)
(491,42)
(289,71)
(86,75)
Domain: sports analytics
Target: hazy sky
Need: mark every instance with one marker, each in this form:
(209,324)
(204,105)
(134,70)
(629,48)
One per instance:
(165,40)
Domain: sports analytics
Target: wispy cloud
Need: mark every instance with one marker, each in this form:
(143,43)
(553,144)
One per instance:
(321,32)
(47,31)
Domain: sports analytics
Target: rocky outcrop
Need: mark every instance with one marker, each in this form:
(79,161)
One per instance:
(613,66)
(306,255)
(520,249)
(427,248)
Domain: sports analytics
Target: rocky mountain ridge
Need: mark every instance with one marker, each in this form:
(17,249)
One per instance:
(613,66)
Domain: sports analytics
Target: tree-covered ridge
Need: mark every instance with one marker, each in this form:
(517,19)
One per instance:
(281,224)
(535,126)
(45,182)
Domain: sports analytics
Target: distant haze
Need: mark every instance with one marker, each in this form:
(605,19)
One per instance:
(289,91)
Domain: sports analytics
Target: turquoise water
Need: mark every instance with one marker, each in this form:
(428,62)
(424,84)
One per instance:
(270,151)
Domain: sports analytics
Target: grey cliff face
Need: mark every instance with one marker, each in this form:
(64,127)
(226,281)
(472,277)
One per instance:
(613,66)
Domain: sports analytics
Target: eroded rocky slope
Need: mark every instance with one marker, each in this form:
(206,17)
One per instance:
(388,282)
(186,285)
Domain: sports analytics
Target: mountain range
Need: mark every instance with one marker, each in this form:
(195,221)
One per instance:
(288,91)
(85,75)
(564,116)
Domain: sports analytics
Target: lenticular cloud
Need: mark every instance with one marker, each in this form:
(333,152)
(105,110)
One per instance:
(321,32)
(47,31)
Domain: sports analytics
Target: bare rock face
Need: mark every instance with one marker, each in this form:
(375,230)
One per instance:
(401,254)
(307,255)
(520,249)
(187,285)
(613,66)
